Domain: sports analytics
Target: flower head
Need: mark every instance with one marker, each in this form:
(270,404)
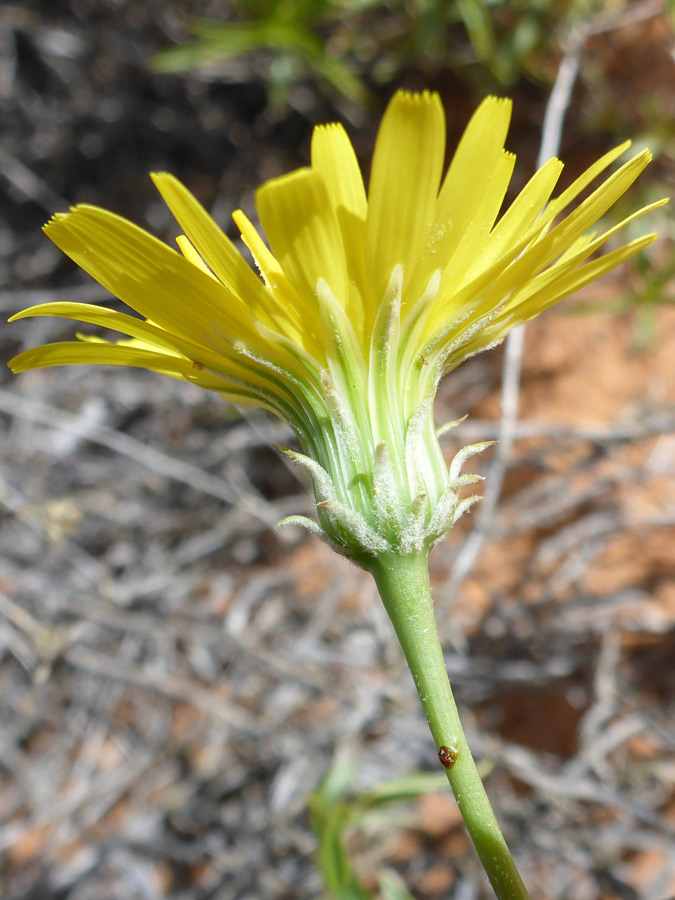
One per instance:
(366,300)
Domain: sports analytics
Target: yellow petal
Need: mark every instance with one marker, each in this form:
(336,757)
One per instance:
(525,209)
(210,242)
(334,158)
(544,251)
(577,253)
(189,252)
(222,256)
(515,314)
(304,235)
(295,323)
(150,277)
(134,352)
(101,315)
(67,353)
(477,252)
(471,248)
(579,277)
(467,181)
(521,262)
(404,183)
(590,210)
(226,362)
(268,266)
(581,183)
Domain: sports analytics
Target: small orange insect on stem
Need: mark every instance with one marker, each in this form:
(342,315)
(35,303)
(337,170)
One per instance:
(447,756)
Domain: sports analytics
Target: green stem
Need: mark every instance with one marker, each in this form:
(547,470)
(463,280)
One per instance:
(403,583)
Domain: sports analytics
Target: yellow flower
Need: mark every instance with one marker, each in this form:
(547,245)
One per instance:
(366,300)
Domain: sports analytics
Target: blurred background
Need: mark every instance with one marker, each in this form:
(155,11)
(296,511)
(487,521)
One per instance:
(177,679)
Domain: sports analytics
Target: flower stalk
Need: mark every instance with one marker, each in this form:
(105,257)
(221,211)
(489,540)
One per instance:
(403,583)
